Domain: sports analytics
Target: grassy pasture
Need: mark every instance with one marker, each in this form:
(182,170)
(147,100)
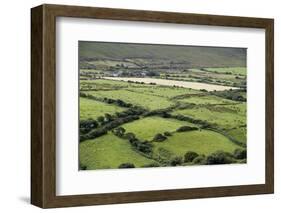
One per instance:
(91,109)
(144,100)
(226,117)
(101,84)
(158,78)
(163,91)
(109,151)
(147,128)
(233,70)
(202,142)
(239,133)
(208,99)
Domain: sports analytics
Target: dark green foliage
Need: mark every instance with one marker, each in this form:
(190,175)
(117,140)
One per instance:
(233,95)
(119,131)
(175,161)
(186,128)
(130,136)
(101,119)
(220,157)
(132,111)
(126,165)
(95,133)
(117,102)
(159,138)
(190,156)
(82,167)
(160,112)
(189,119)
(152,73)
(145,147)
(87,125)
(121,103)
(108,117)
(203,90)
(167,134)
(200,160)
(107,127)
(151,165)
(240,153)
(82,138)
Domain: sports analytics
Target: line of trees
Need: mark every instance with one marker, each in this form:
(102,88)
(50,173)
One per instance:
(234,95)
(107,127)
(117,102)
(219,157)
(144,147)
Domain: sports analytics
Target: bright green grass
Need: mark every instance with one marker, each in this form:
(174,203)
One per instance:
(109,151)
(93,109)
(226,117)
(147,128)
(144,100)
(163,91)
(239,133)
(208,99)
(202,142)
(233,70)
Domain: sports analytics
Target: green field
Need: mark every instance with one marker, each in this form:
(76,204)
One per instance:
(238,133)
(107,152)
(163,91)
(233,70)
(154,105)
(91,109)
(226,117)
(137,99)
(147,128)
(201,142)
(208,99)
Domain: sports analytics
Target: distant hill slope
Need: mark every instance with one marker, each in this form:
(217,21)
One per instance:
(195,56)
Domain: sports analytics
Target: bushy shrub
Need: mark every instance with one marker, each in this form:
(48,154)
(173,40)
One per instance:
(119,131)
(240,153)
(159,137)
(96,133)
(126,165)
(186,128)
(152,73)
(101,119)
(151,165)
(220,157)
(129,136)
(190,156)
(82,167)
(87,125)
(108,117)
(175,161)
(83,138)
(167,134)
(145,147)
(200,160)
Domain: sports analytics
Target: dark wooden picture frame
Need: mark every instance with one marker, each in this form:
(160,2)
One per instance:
(43,105)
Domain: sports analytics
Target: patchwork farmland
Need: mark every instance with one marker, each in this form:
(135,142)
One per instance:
(129,118)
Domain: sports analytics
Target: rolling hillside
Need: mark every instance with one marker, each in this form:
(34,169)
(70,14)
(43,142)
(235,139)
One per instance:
(194,56)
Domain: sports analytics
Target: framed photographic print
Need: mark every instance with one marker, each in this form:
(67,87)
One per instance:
(137,106)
